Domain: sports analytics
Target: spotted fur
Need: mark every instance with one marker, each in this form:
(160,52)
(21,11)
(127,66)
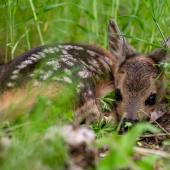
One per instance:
(79,67)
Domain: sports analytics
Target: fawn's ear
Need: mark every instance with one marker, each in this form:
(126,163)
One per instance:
(161,55)
(118,45)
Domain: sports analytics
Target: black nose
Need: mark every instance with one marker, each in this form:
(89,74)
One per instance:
(127,124)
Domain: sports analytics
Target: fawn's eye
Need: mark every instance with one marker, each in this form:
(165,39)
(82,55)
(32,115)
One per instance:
(118,96)
(151,100)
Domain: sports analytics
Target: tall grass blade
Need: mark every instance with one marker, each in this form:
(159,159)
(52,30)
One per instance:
(140,20)
(15,46)
(78,25)
(37,23)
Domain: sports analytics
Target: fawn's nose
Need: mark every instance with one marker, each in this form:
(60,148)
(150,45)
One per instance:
(127,124)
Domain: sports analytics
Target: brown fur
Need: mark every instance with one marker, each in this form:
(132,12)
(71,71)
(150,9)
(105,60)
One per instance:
(85,104)
(19,102)
(134,76)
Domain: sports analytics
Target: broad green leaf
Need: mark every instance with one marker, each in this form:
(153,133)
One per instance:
(121,148)
(148,161)
(131,135)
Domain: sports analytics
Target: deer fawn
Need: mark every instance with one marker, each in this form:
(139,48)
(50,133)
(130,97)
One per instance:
(93,71)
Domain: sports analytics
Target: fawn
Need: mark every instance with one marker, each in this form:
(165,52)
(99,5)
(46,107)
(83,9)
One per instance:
(94,72)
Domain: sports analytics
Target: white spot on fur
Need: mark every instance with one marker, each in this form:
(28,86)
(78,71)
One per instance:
(82,62)
(36,83)
(53,62)
(42,72)
(45,51)
(78,48)
(21,66)
(15,71)
(51,50)
(31,75)
(68,56)
(46,75)
(67,71)
(36,56)
(78,90)
(56,65)
(10,84)
(85,94)
(92,53)
(67,79)
(108,60)
(105,65)
(26,62)
(92,68)
(79,86)
(42,54)
(68,59)
(64,52)
(83,74)
(68,47)
(67,62)
(70,63)
(14,77)
(60,46)
(92,60)
(90,92)
(56,49)
(33,58)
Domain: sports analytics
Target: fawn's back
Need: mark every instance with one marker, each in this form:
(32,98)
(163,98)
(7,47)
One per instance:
(78,72)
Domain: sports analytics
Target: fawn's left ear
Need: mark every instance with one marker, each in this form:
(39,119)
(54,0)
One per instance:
(161,55)
(118,45)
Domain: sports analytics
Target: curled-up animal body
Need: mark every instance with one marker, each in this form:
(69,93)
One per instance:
(73,74)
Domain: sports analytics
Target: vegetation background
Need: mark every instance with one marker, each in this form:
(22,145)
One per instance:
(29,23)
(26,24)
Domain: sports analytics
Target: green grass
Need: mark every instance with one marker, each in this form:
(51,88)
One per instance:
(26,24)
(53,21)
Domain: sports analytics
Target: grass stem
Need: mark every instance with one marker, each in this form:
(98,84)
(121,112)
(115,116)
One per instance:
(37,22)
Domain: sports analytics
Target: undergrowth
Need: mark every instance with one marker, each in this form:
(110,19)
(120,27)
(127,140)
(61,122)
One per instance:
(28,24)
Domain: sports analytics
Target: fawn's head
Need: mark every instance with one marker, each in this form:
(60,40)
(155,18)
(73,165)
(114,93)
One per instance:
(134,77)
